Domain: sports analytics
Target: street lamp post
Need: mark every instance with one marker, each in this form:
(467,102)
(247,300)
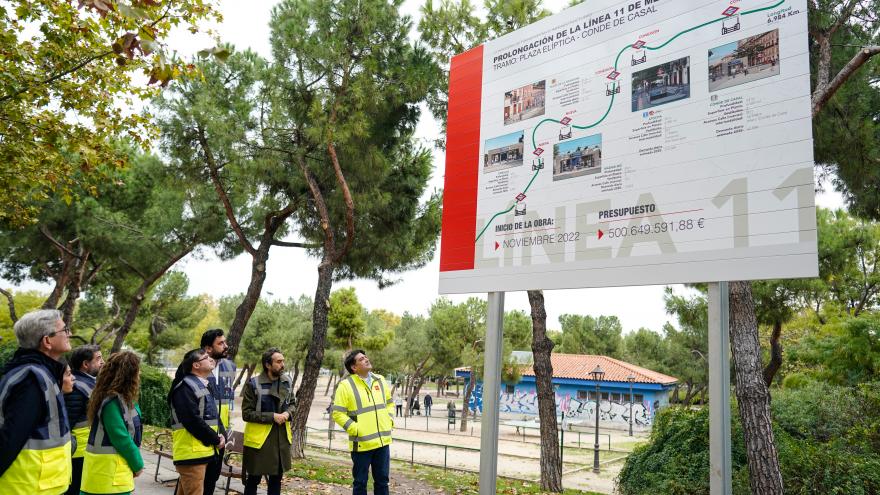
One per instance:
(597,375)
(631,378)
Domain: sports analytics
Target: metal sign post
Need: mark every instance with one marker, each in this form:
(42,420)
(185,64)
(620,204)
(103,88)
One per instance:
(491,394)
(720,470)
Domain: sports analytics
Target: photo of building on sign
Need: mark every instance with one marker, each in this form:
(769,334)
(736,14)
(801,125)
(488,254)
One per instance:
(503,152)
(577,157)
(524,103)
(661,84)
(746,60)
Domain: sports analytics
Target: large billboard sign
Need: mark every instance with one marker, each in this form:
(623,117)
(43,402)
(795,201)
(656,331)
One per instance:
(632,143)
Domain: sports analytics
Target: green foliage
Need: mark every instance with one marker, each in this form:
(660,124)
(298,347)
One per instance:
(847,130)
(450,27)
(24,302)
(346,319)
(846,351)
(66,69)
(166,318)
(827,438)
(286,325)
(7,349)
(589,335)
(153,399)
(518,330)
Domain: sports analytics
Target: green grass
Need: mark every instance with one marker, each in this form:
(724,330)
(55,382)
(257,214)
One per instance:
(336,468)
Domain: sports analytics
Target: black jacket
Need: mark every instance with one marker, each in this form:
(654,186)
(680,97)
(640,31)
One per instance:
(77,402)
(24,407)
(186,405)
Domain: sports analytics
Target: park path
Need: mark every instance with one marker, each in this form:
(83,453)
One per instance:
(146,485)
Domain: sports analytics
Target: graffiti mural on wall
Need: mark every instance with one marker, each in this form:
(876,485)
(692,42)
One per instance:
(572,409)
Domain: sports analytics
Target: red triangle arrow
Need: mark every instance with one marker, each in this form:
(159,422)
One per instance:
(497,245)
(601,234)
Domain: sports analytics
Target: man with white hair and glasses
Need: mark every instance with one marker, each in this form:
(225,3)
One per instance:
(34,430)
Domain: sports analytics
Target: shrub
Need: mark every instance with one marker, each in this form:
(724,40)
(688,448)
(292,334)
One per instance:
(827,439)
(7,349)
(154,396)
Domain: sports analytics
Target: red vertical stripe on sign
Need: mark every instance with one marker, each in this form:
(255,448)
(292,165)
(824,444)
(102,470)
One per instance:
(462,161)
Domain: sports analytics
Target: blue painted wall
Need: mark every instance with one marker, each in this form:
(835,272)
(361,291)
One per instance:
(571,403)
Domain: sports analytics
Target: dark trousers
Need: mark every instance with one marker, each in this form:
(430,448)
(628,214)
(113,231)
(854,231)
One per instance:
(212,472)
(273,484)
(76,480)
(377,459)
(398,410)
(427,410)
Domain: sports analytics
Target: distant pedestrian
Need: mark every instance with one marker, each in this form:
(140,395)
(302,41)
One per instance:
(429,401)
(398,406)
(362,407)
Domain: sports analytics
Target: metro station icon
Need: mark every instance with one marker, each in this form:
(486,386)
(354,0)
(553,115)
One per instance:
(538,151)
(565,120)
(613,75)
(729,11)
(520,197)
(638,44)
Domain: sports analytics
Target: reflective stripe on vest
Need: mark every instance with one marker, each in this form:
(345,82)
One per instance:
(365,440)
(255,434)
(43,466)
(104,470)
(184,445)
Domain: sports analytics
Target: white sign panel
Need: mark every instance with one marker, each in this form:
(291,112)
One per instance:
(632,143)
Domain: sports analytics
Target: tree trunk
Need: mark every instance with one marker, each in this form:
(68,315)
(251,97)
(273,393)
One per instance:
(542,347)
(752,394)
(467,396)
(306,392)
(240,376)
(775,354)
(11,304)
(689,394)
(295,372)
(246,308)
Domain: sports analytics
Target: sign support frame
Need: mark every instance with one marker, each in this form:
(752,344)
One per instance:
(491,394)
(720,465)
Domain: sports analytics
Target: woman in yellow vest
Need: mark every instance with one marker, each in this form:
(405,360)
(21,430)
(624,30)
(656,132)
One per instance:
(267,404)
(113,457)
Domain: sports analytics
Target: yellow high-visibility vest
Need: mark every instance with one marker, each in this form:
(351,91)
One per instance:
(81,430)
(104,470)
(43,467)
(185,446)
(255,434)
(364,412)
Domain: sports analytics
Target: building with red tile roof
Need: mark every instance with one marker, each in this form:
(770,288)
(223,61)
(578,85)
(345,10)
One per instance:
(576,390)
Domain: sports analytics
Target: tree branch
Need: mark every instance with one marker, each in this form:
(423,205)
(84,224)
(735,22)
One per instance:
(824,92)
(58,245)
(304,245)
(329,242)
(56,76)
(11,302)
(221,193)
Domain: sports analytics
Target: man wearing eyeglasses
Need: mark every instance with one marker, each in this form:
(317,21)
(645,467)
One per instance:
(34,430)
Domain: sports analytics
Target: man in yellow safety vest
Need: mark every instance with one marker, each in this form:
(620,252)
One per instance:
(363,407)
(35,458)
(267,405)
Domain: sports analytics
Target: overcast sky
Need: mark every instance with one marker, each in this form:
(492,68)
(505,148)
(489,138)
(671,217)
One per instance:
(291,272)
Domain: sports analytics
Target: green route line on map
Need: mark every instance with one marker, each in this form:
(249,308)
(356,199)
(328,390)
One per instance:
(611,103)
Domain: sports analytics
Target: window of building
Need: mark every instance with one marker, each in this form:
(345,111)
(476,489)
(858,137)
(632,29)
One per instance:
(615,397)
(582,395)
(592,395)
(638,398)
(509,388)
(605,396)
